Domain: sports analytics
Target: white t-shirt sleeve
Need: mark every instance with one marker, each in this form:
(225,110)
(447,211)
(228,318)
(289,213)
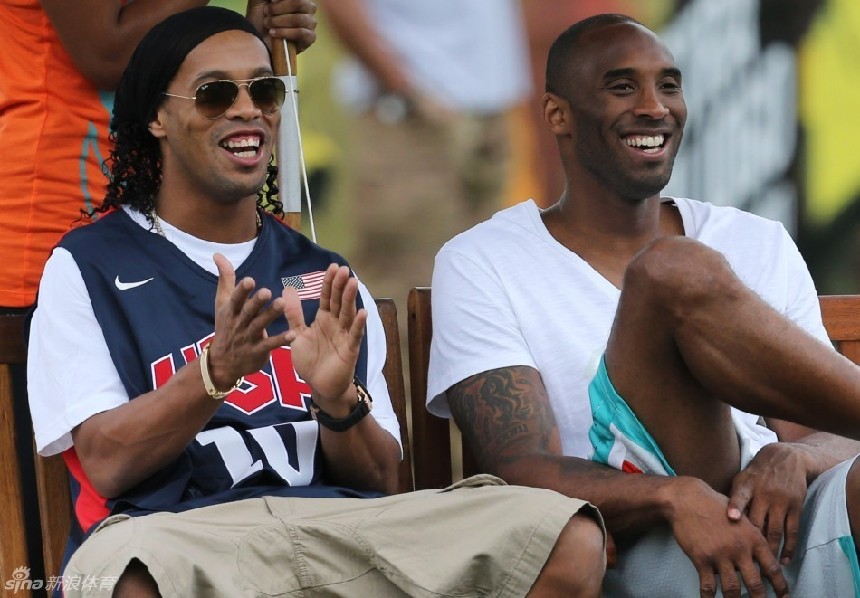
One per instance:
(475,328)
(70,374)
(802,304)
(382,412)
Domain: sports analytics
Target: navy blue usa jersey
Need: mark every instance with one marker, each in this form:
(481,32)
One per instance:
(262,440)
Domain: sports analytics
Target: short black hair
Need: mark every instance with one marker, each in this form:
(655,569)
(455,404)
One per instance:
(562,53)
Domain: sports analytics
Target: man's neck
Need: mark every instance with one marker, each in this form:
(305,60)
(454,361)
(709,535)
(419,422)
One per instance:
(214,220)
(608,231)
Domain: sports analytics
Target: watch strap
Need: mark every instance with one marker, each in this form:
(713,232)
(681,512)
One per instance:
(362,408)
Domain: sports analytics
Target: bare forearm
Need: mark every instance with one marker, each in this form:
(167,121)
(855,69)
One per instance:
(364,457)
(101,35)
(826,451)
(506,419)
(821,450)
(629,503)
(123,446)
(355,30)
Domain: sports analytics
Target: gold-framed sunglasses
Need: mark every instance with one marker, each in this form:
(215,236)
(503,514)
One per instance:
(214,98)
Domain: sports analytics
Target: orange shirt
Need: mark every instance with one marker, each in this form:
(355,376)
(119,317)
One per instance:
(54,137)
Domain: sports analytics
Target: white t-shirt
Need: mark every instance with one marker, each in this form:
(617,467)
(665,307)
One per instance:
(469,55)
(71,376)
(506,293)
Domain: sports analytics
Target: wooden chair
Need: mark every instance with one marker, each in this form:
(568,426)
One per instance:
(393,371)
(431,435)
(841,315)
(13,535)
(51,477)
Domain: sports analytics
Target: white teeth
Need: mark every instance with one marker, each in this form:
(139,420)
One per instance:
(653,143)
(245,154)
(244,142)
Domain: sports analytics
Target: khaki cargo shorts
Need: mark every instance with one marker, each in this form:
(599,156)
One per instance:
(479,537)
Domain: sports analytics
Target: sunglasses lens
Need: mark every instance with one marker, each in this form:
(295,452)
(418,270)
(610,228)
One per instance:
(268,94)
(215,98)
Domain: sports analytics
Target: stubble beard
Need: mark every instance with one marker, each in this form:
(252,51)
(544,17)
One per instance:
(609,169)
(226,189)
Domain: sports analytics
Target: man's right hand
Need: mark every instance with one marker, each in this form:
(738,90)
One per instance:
(241,345)
(719,546)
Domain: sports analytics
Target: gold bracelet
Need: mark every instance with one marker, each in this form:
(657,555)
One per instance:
(207,378)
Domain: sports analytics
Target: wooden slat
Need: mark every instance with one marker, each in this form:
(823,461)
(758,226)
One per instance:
(393,371)
(841,315)
(430,435)
(12,349)
(55,507)
(13,535)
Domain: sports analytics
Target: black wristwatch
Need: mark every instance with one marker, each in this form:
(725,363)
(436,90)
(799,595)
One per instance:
(362,408)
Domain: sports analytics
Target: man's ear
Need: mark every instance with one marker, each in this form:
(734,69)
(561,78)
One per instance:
(556,113)
(156,126)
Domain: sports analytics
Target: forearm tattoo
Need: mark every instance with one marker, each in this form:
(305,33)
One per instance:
(503,414)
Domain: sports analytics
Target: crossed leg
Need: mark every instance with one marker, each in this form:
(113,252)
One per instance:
(690,339)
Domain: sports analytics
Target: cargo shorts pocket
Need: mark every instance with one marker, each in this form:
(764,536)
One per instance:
(293,555)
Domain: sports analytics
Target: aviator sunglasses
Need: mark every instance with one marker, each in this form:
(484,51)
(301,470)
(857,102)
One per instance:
(214,98)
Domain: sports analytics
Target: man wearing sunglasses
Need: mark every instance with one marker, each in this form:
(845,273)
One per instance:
(172,365)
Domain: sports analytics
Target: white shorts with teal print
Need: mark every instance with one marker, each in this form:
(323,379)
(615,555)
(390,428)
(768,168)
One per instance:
(825,562)
(619,439)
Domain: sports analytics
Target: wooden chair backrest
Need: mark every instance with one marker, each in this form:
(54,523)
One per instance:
(431,435)
(841,314)
(393,371)
(13,535)
(51,476)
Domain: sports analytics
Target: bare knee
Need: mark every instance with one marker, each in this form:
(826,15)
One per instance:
(136,582)
(576,565)
(679,270)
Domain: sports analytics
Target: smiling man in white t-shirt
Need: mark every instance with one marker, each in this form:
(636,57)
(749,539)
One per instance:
(621,346)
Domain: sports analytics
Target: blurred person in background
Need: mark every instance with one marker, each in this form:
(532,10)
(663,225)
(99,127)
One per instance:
(430,85)
(60,63)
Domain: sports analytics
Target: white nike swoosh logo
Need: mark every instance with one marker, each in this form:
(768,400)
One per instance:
(125,286)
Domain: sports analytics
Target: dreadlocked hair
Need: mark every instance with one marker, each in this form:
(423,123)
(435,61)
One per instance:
(133,169)
(267,197)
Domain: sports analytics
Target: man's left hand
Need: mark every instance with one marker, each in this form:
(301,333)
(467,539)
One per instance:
(325,353)
(771,491)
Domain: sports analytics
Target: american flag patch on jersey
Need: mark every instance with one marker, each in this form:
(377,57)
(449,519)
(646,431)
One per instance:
(308,285)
